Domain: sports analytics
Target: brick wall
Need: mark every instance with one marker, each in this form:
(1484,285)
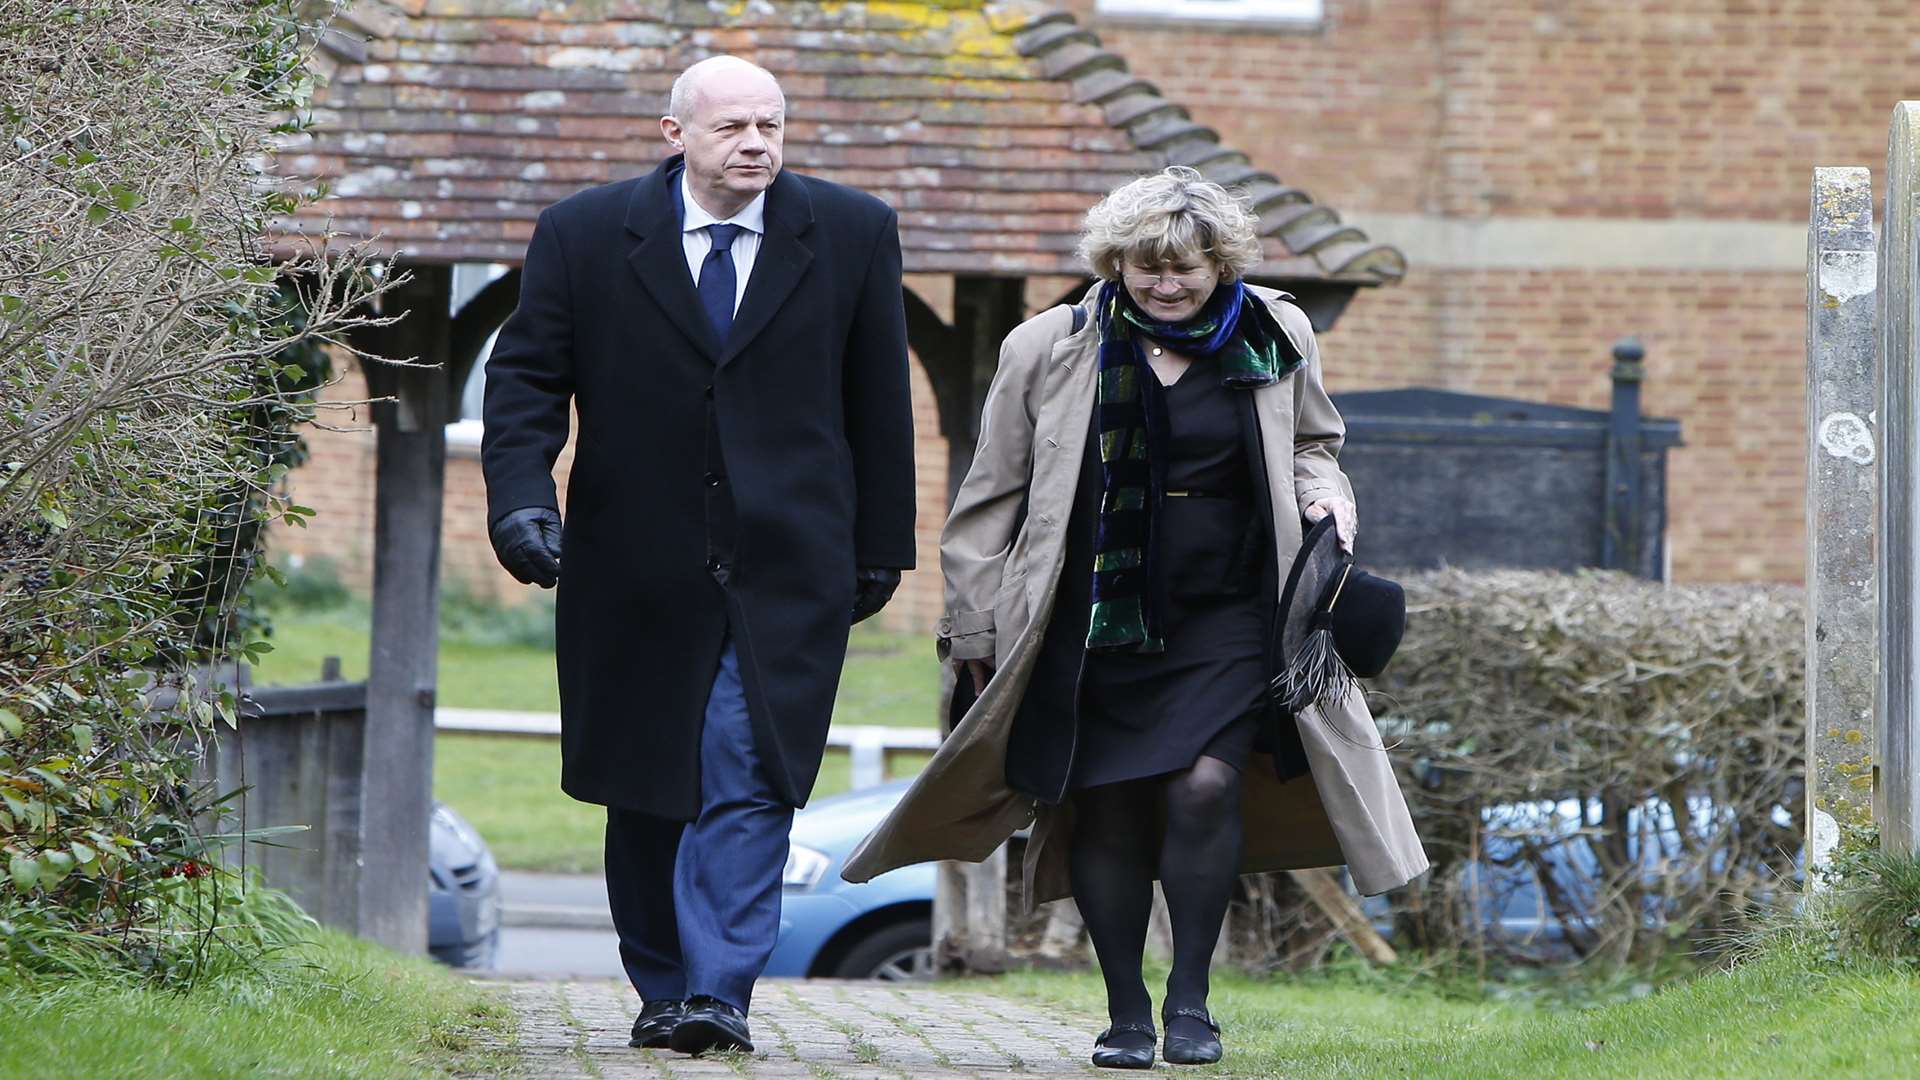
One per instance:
(337,482)
(1571,113)
(1629,108)
(1576,113)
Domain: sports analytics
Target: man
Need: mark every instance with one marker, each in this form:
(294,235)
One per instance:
(733,340)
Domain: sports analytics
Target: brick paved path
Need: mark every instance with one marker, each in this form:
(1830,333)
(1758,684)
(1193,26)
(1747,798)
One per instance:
(809,1031)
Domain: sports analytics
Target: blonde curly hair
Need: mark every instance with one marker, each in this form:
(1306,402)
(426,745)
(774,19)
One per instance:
(1168,216)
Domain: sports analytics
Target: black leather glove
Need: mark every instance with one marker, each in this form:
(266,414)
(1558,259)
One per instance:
(872,588)
(527,543)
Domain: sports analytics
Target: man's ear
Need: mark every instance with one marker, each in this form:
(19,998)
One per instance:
(675,134)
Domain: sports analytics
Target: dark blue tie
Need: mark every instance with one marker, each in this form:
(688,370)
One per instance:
(717,280)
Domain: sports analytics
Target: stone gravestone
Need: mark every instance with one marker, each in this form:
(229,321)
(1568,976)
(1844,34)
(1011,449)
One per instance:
(1840,612)
(1899,481)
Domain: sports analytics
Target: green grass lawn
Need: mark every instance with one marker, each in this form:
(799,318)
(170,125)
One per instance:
(509,786)
(351,1010)
(515,678)
(1775,1017)
(892,680)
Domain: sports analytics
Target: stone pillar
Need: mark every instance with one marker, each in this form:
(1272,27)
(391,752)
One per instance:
(1840,612)
(1899,474)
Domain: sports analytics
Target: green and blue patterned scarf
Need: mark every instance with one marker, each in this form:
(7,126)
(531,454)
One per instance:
(1234,326)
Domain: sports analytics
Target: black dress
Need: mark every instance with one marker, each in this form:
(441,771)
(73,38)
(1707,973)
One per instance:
(1146,714)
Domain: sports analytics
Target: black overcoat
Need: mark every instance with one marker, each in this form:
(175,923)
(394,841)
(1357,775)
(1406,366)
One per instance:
(715,486)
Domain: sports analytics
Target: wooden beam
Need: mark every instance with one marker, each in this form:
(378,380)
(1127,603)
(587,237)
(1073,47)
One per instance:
(985,311)
(946,357)
(409,478)
(970,901)
(477,319)
(1327,895)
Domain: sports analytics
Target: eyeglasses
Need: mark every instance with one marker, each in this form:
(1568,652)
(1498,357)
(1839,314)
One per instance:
(1146,279)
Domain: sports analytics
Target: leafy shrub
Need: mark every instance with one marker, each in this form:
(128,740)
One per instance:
(153,359)
(480,619)
(1627,755)
(316,585)
(1631,752)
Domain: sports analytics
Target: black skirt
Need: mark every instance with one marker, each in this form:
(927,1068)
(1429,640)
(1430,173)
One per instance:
(1147,714)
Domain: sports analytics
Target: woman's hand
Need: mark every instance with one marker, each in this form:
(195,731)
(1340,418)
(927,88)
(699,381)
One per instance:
(981,671)
(1346,518)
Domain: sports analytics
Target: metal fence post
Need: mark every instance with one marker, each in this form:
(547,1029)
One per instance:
(1620,547)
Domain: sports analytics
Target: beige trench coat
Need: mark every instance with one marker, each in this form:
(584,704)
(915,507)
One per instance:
(1000,589)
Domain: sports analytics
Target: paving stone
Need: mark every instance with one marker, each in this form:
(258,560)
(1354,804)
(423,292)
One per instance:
(811,1030)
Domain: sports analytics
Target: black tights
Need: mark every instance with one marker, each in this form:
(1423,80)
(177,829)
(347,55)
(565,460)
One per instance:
(1113,869)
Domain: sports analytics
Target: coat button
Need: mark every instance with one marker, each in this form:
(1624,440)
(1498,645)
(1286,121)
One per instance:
(712,480)
(713,563)
(709,393)
(945,627)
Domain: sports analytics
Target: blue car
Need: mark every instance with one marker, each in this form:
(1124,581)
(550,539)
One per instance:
(463,893)
(1508,895)
(882,929)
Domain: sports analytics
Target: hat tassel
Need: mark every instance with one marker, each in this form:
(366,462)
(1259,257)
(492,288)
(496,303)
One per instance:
(1317,676)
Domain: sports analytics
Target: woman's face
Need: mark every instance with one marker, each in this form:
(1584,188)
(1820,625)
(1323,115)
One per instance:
(1173,289)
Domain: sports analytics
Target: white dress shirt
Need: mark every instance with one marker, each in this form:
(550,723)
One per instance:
(697,242)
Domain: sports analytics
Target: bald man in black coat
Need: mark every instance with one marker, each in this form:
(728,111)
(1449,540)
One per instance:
(733,340)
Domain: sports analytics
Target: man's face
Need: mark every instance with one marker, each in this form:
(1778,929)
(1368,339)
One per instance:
(732,138)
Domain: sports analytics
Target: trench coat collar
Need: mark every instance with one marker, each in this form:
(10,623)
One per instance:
(659,260)
(1090,301)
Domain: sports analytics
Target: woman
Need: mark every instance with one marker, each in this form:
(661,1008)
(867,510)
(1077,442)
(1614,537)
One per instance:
(1112,564)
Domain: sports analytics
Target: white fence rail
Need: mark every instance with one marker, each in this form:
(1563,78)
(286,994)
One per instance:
(871,748)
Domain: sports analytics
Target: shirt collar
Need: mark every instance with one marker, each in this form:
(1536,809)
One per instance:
(752,217)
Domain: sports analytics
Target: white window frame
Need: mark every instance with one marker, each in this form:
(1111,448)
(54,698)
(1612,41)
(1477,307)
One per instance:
(1296,12)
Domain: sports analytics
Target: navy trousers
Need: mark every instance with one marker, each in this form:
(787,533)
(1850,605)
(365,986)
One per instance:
(697,904)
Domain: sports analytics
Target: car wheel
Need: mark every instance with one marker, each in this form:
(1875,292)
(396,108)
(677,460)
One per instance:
(900,952)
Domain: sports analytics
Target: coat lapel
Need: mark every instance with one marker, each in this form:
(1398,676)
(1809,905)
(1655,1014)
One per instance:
(782,261)
(659,260)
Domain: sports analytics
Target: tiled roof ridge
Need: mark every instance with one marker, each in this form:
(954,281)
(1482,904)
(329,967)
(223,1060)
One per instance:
(1069,52)
(405,164)
(344,34)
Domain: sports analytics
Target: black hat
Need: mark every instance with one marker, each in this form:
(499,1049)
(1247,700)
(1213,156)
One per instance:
(1336,622)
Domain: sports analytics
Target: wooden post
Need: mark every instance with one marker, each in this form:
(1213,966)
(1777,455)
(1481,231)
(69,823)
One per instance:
(1620,545)
(1841,650)
(969,901)
(409,476)
(1324,890)
(1898,773)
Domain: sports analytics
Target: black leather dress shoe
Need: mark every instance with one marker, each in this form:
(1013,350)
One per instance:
(710,1024)
(656,1022)
(1125,1046)
(1198,1043)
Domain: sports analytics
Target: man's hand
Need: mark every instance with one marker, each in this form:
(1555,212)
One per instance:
(980,671)
(527,543)
(872,588)
(1346,518)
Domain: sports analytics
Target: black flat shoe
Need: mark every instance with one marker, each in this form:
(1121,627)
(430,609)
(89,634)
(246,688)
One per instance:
(1185,1048)
(710,1024)
(656,1022)
(1135,1049)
